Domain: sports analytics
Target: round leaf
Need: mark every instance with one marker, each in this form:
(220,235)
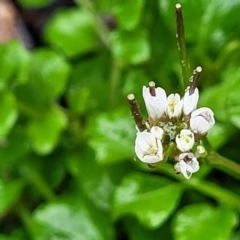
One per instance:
(45,131)
(9,194)
(72,31)
(130,47)
(151,199)
(128,13)
(201,221)
(112,136)
(8,114)
(76,221)
(48,73)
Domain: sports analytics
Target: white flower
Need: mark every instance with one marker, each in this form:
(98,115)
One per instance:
(185,140)
(148,149)
(190,101)
(174,105)
(157,132)
(155,104)
(202,120)
(187,165)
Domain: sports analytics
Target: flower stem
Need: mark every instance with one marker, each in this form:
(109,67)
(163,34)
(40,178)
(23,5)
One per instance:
(205,187)
(222,163)
(182,46)
(136,113)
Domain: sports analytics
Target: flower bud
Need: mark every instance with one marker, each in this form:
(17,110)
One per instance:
(174,105)
(148,149)
(157,132)
(190,101)
(187,164)
(202,120)
(185,140)
(155,104)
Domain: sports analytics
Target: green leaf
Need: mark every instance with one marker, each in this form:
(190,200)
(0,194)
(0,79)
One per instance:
(219,134)
(34,3)
(97,181)
(14,147)
(130,47)
(48,73)
(201,221)
(87,85)
(72,30)
(75,220)
(112,136)
(128,13)
(8,114)
(9,194)
(137,232)
(14,63)
(45,131)
(151,199)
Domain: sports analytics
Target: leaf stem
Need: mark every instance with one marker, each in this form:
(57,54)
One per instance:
(222,163)
(208,188)
(182,46)
(25,217)
(34,177)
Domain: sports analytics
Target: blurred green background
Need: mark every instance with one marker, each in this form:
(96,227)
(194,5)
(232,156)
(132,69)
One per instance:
(67,168)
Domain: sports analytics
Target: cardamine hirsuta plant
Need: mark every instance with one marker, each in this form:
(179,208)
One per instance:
(175,126)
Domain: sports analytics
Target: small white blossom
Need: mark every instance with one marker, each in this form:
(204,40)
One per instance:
(157,132)
(202,120)
(174,105)
(148,149)
(155,104)
(185,140)
(190,101)
(187,165)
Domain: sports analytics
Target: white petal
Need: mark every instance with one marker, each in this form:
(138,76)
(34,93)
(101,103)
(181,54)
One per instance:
(190,101)
(202,120)
(155,104)
(148,148)
(178,109)
(185,169)
(157,132)
(185,140)
(194,164)
(174,105)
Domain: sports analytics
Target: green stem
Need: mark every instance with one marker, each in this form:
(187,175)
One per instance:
(101,29)
(34,177)
(182,47)
(205,187)
(25,217)
(222,163)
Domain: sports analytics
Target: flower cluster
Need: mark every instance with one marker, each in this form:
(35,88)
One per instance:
(174,129)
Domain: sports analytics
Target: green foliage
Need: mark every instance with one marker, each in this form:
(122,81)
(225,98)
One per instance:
(150,199)
(34,3)
(204,216)
(72,31)
(67,163)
